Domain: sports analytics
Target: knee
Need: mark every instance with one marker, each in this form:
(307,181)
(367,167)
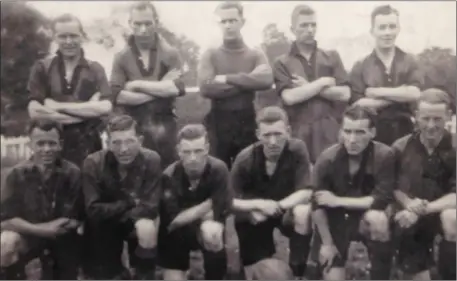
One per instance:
(174,275)
(10,242)
(146,231)
(302,217)
(212,235)
(449,224)
(301,214)
(375,223)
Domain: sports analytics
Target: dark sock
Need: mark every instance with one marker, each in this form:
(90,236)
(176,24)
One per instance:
(145,265)
(299,246)
(381,255)
(145,253)
(215,265)
(446,260)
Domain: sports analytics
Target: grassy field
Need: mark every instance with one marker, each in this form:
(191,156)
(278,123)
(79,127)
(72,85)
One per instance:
(191,109)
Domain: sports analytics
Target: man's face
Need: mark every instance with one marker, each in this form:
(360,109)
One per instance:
(193,155)
(68,37)
(431,119)
(304,29)
(273,137)
(230,22)
(125,145)
(356,135)
(45,145)
(143,26)
(385,30)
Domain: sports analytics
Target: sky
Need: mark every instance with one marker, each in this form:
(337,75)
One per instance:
(423,24)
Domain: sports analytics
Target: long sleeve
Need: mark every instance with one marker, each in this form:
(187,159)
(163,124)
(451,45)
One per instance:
(95,207)
(102,82)
(258,79)
(339,73)
(150,191)
(282,78)
(36,85)
(206,74)
(11,200)
(118,78)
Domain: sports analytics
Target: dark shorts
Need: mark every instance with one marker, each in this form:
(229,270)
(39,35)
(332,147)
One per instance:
(160,135)
(415,244)
(388,130)
(174,248)
(230,132)
(256,242)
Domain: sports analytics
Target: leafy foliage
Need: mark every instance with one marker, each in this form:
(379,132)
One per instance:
(275,42)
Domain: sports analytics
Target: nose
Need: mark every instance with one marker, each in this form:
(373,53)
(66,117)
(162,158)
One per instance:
(431,124)
(192,157)
(272,140)
(46,148)
(68,40)
(143,28)
(351,137)
(123,148)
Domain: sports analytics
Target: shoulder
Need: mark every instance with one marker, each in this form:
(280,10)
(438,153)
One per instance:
(329,154)
(169,171)
(168,51)
(360,64)
(282,59)
(70,168)
(297,146)
(150,156)
(245,156)
(95,66)
(209,53)
(382,150)
(218,166)
(120,56)
(95,159)
(330,54)
(400,144)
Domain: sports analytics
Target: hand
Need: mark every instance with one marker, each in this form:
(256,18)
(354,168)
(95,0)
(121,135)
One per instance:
(257,217)
(95,97)
(55,228)
(72,224)
(172,75)
(327,254)
(406,218)
(173,226)
(131,86)
(212,235)
(417,206)
(326,198)
(270,208)
(52,104)
(221,79)
(298,81)
(327,81)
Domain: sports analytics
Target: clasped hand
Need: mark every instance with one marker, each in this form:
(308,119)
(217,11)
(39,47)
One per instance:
(326,198)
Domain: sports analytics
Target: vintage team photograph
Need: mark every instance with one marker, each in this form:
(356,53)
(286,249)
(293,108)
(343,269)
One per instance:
(228,140)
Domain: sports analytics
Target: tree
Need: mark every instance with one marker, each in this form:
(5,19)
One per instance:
(439,67)
(275,42)
(24,40)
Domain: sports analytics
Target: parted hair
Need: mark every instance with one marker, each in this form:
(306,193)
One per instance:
(231,5)
(357,112)
(271,114)
(301,10)
(192,132)
(435,96)
(122,123)
(383,10)
(44,125)
(64,18)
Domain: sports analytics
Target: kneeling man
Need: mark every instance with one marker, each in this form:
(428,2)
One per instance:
(353,182)
(270,179)
(195,203)
(122,187)
(426,190)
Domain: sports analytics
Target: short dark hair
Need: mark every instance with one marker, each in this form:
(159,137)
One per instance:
(301,10)
(231,5)
(142,6)
(435,96)
(357,112)
(121,122)
(271,114)
(64,18)
(383,10)
(44,125)
(192,132)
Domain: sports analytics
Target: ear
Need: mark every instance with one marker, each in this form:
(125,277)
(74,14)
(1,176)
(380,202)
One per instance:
(289,130)
(141,139)
(207,146)
(373,132)
(257,133)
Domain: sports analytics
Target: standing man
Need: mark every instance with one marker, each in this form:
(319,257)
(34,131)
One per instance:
(122,187)
(71,90)
(353,184)
(41,209)
(195,206)
(230,75)
(146,79)
(388,80)
(312,84)
(271,180)
(426,190)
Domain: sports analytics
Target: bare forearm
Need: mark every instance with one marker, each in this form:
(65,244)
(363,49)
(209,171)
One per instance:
(194,213)
(336,93)
(133,98)
(241,205)
(160,89)
(446,202)
(259,79)
(22,227)
(302,93)
(399,94)
(298,197)
(361,203)
(320,219)
(38,111)
(375,104)
(402,198)
(91,109)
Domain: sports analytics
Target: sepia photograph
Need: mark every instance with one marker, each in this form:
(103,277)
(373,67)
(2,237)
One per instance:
(228,140)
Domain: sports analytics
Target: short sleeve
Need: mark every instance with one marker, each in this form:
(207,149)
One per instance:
(357,82)
(102,82)
(415,74)
(175,62)
(118,77)
(339,72)
(302,172)
(11,201)
(36,85)
(282,77)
